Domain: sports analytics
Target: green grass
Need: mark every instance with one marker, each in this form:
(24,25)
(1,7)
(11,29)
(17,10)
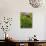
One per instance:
(26,20)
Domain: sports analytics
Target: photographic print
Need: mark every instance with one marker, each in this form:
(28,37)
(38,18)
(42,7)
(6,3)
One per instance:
(25,20)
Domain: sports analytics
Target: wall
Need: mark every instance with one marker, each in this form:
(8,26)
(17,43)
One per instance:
(12,8)
(39,24)
(45,28)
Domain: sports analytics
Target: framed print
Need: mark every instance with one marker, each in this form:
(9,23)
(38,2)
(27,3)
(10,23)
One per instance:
(26,19)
